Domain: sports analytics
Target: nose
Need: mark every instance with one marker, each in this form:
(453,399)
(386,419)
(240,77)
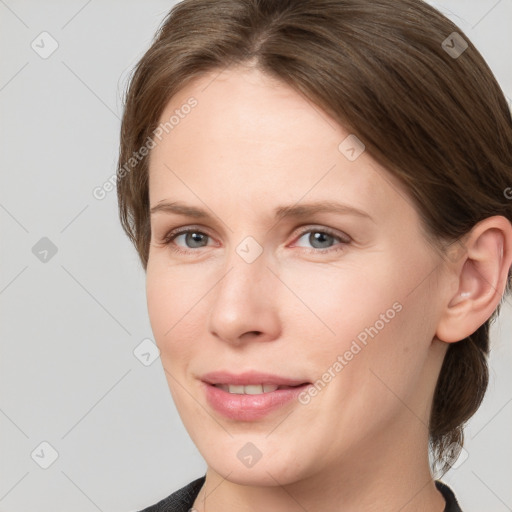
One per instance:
(245,302)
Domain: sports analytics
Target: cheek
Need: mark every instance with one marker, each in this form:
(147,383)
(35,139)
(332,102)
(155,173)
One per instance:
(172,297)
(336,305)
(365,318)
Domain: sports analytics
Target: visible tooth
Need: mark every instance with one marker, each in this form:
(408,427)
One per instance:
(252,389)
(256,389)
(239,390)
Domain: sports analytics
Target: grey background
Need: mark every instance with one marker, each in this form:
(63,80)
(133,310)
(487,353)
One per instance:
(69,325)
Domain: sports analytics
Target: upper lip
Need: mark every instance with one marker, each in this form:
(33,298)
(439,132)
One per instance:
(248,378)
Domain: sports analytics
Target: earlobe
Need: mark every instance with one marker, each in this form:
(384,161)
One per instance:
(481,275)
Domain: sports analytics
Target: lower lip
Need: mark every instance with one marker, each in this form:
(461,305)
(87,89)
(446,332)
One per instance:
(249,407)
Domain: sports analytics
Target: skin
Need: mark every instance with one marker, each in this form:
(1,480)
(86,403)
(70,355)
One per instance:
(250,145)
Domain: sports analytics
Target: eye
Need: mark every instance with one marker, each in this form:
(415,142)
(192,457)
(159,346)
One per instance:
(322,238)
(193,238)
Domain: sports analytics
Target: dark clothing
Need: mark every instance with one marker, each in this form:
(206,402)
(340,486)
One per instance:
(183,499)
(179,501)
(451,501)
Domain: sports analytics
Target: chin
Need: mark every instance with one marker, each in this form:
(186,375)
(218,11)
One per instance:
(272,468)
(259,475)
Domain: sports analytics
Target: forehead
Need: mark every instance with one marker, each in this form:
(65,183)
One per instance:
(246,105)
(251,134)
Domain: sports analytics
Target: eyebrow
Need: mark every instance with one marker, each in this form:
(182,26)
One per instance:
(291,211)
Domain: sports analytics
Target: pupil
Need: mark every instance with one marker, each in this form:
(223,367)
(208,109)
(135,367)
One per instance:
(319,237)
(193,236)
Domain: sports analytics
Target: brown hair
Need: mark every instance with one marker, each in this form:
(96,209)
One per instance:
(437,121)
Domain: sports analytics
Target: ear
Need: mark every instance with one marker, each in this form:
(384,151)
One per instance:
(480,273)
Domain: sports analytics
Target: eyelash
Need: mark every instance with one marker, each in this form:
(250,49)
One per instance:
(169,237)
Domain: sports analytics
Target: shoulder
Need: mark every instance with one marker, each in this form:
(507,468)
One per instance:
(180,500)
(452,504)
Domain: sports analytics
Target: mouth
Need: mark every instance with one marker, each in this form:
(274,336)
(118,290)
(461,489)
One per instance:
(254,389)
(252,395)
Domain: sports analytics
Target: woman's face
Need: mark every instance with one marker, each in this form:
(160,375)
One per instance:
(341,290)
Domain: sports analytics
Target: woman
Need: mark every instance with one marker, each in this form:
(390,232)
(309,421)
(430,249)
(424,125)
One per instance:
(317,193)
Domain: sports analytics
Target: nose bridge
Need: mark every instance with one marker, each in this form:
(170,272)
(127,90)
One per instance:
(243,299)
(246,269)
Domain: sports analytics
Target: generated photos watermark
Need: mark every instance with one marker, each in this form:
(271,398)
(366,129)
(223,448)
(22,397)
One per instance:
(101,191)
(356,346)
